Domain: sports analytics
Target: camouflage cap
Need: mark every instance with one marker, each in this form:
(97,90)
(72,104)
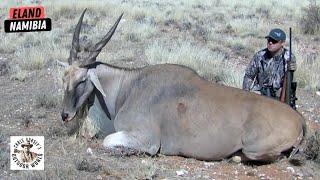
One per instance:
(277,34)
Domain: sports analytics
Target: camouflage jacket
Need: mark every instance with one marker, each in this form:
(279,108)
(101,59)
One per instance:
(266,71)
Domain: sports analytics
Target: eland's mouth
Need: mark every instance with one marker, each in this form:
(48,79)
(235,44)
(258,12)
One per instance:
(66,117)
(67,120)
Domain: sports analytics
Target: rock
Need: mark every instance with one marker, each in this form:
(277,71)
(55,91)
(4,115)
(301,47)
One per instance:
(300,175)
(89,151)
(290,169)
(261,175)
(318,93)
(208,164)
(236,159)
(206,177)
(181,172)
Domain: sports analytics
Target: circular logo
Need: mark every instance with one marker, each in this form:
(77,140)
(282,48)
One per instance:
(27,153)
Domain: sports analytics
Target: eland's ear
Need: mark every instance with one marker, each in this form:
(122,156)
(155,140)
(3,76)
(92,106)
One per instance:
(94,79)
(63,64)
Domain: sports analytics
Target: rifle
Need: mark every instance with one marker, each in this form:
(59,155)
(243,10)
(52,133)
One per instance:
(288,93)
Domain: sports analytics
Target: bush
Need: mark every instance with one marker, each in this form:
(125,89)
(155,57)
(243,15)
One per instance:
(19,76)
(310,21)
(47,100)
(312,150)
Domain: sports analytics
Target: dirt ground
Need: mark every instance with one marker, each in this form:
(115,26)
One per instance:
(67,157)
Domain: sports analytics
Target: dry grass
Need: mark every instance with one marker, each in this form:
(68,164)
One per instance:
(310,20)
(306,75)
(48,100)
(312,150)
(137,32)
(216,38)
(209,64)
(231,26)
(18,74)
(7,45)
(4,159)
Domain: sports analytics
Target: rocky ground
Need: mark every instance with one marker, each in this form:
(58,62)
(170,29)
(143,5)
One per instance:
(24,111)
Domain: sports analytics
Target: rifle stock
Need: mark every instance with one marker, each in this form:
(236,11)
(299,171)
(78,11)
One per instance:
(284,89)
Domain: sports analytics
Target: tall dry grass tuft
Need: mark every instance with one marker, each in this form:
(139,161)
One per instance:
(310,20)
(312,149)
(307,75)
(139,32)
(210,64)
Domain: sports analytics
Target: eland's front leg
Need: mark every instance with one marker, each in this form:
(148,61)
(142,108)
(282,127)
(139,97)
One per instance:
(130,141)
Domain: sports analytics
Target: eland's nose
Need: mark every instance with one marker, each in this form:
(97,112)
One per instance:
(64,116)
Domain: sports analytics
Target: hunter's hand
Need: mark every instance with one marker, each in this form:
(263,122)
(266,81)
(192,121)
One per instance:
(292,66)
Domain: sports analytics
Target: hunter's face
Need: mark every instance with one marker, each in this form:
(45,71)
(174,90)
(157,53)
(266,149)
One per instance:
(273,45)
(26,148)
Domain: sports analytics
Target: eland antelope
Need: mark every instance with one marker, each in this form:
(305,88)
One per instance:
(170,109)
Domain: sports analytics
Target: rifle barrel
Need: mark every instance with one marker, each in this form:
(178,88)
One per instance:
(289,72)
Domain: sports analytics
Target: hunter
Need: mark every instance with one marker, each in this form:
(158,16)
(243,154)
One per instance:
(26,155)
(265,73)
